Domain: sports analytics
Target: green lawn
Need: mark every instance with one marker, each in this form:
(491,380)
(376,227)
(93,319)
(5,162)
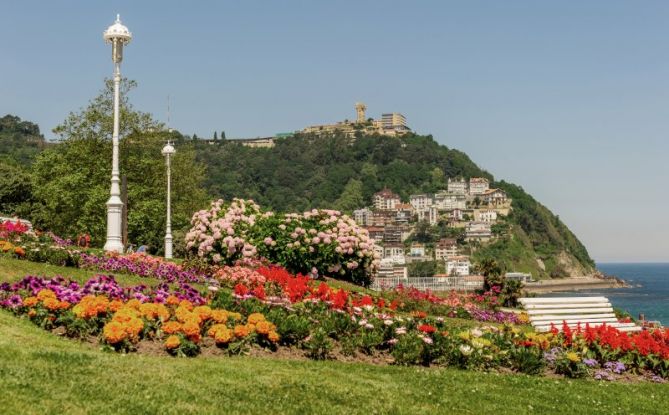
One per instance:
(43,373)
(13,270)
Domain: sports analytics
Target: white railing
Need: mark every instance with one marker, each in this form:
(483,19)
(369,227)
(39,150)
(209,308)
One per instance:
(427,283)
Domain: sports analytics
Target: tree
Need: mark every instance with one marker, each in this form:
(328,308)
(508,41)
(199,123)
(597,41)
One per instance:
(423,269)
(71,180)
(222,135)
(15,190)
(215,136)
(351,197)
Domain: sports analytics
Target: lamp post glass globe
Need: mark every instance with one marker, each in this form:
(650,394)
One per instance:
(118,35)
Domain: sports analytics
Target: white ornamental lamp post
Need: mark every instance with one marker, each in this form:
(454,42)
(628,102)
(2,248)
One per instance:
(119,36)
(168,151)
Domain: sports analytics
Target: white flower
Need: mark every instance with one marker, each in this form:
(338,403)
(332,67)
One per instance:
(465,349)
(476,332)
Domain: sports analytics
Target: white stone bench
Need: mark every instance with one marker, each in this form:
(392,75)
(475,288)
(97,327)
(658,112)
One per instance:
(595,311)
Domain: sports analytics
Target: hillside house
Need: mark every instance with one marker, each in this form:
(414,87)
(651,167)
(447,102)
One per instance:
(445,248)
(386,199)
(478,185)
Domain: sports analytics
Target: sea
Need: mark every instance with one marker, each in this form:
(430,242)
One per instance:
(648,293)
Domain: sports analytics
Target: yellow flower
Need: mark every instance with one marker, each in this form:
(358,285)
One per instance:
(203,311)
(219,316)
(45,293)
(573,357)
(464,335)
(265,327)
(172,342)
(255,318)
(222,335)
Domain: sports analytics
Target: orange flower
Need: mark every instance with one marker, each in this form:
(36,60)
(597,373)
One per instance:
(273,336)
(20,251)
(45,293)
(30,301)
(203,311)
(115,305)
(133,327)
(213,329)
(241,331)
(183,314)
(134,303)
(191,328)
(51,304)
(172,300)
(32,313)
(219,316)
(223,335)
(255,318)
(265,327)
(186,304)
(172,342)
(171,327)
(114,332)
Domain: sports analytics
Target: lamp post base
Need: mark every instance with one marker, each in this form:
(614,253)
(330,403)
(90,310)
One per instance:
(114,220)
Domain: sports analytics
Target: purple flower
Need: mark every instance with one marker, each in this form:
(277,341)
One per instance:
(603,375)
(590,362)
(615,367)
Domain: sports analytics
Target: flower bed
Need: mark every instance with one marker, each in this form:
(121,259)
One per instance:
(269,308)
(323,242)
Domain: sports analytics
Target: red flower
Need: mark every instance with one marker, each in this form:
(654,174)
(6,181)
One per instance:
(259,292)
(241,290)
(340,299)
(426,328)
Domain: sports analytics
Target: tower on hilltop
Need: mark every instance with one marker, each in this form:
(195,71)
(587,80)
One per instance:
(360,109)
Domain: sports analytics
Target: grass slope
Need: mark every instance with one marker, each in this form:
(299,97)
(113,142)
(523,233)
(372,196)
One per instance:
(43,373)
(12,270)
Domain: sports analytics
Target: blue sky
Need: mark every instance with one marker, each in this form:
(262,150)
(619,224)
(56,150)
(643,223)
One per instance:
(568,99)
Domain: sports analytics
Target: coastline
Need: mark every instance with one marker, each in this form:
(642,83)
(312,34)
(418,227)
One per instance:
(574,284)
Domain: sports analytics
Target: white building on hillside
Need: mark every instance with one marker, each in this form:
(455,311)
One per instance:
(392,250)
(494,197)
(485,215)
(363,217)
(445,248)
(478,185)
(479,231)
(450,201)
(421,201)
(386,199)
(458,265)
(457,186)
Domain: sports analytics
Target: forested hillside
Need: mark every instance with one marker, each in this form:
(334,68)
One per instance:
(299,173)
(306,171)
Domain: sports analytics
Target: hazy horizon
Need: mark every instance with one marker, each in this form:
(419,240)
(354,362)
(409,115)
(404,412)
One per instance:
(567,100)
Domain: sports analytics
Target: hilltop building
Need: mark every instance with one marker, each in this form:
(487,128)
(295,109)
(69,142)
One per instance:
(393,124)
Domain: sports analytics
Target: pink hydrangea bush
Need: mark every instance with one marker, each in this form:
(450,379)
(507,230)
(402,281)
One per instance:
(317,242)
